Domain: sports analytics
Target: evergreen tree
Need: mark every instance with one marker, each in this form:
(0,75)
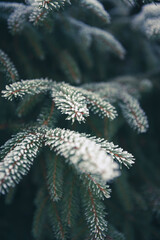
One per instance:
(73,73)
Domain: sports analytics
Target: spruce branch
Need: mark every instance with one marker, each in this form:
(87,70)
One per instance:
(131,109)
(117,153)
(82,152)
(9,7)
(51,4)
(38,16)
(47,116)
(18,155)
(8,67)
(70,67)
(99,106)
(103,39)
(106,41)
(74,102)
(94,214)
(70,201)
(34,41)
(98,187)
(31,87)
(133,113)
(56,221)
(18,19)
(70,101)
(54,176)
(96,8)
(147,20)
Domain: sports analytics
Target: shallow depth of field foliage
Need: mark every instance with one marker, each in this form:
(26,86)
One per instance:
(79,120)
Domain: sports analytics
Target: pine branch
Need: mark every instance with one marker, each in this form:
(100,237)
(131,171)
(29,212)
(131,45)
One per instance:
(98,187)
(131,109)
(70,202)
(133,113)
(70,67)
(56,221)
(18,155)
(70,101)
(34,40)
(31,87)
(82,152)
(18,19)
(38,16)
(8,67)
(148,20)
(103,39)
(117,153)
(54,176)
(94,213)
(10,6)
(48,115)
(98,106)
(96,8)
(106,41)
(52,4)
(67,98)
